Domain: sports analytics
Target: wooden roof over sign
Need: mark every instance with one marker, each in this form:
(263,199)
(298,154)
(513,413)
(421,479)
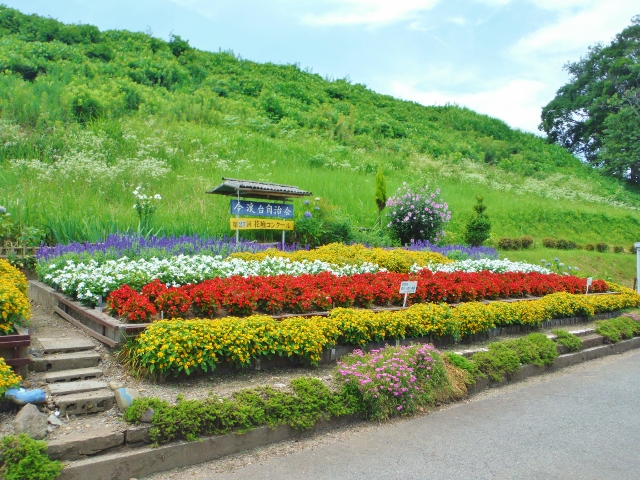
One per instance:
(248,188)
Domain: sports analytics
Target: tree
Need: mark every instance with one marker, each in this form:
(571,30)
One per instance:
(380,194)
(478,227)
(596,114)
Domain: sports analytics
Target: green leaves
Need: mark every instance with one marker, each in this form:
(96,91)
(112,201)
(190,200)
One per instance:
(597,114)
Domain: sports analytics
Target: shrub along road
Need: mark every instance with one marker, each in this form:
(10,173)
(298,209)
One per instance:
(578,423)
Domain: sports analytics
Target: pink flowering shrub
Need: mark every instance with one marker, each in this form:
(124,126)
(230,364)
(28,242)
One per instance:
(394,380)
(419,215)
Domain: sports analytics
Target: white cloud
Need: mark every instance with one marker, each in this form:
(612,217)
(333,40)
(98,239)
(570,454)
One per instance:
(580,24)
(368,12)
(516,102)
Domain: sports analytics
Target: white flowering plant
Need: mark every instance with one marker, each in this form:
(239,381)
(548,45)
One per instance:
(145,207)
(88,281)
(484,264)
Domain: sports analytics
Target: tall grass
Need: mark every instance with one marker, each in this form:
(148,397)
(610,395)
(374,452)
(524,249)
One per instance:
(81,127)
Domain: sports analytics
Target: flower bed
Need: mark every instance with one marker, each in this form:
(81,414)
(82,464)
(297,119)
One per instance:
(485,264)
(307,293)
(91,280)
(134,246)
(14,304)
(171,347)
(392,260)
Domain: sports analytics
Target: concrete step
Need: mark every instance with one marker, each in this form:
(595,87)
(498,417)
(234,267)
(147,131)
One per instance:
(590,341)
(582,332)
(73,375)
(65,345)
(68,388)
(64,361)
(83,403)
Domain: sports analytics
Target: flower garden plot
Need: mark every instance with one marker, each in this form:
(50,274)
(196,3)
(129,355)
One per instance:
(325,291)
(90,280)
(200,345)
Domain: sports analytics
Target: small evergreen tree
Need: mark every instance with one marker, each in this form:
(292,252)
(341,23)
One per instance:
(380,194)
(478,227)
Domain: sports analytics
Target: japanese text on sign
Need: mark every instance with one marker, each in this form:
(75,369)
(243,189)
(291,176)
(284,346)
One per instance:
(260,224)
(261,209)
(408,287)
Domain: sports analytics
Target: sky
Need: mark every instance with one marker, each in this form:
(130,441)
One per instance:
(503,58)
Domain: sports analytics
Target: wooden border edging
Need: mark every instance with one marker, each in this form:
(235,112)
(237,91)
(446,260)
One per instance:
(15,350)
(146,461)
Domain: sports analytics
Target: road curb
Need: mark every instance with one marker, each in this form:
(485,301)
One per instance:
(146,461)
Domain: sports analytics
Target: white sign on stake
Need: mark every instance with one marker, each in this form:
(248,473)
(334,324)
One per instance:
(406,288)
(589,282)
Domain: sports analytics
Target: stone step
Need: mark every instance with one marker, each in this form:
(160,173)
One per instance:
(64,361)
(73,375)
(590,341)
(84,443)
(65,345)
(582,332)
(68,388)
(83,403)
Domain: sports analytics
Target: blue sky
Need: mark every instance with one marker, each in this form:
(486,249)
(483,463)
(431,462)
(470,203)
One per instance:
(503,58)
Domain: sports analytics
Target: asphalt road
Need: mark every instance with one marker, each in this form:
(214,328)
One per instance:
(580,426)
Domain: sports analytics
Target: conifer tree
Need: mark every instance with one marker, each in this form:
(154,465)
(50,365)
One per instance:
(380,194)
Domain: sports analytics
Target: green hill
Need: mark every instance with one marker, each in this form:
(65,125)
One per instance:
(86,116)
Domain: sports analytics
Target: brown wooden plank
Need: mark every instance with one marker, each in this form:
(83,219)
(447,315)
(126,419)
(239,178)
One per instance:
(113,323)
(84,328)
(14,337)
(13,362)
(17,343)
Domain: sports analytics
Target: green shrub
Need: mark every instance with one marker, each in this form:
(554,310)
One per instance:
(549,242)
(526,241)
(562,244)
(534,349)
(506,243)
(618,329)
(569,340)
(26,459)
(309,401)
(499,361)
(602,247)
(590,247)
(478,227)
(505,358)
(618,249)
(465,364)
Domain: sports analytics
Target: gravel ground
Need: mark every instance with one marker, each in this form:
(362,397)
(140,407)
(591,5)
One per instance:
(46,324)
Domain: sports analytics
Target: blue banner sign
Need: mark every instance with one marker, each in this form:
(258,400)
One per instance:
(261,209)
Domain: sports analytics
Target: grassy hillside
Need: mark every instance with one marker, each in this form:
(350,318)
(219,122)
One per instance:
(86,116)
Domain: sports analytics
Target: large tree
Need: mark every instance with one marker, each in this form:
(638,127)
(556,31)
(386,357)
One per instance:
(597,113)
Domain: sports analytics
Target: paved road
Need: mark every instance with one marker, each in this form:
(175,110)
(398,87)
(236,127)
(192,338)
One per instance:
(580,426)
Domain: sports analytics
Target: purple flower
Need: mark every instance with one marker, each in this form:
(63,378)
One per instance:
(308,214)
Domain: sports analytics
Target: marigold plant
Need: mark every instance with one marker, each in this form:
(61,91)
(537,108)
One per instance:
(393,260)
(14,306)
(174,346)
(12,274)
(8,379)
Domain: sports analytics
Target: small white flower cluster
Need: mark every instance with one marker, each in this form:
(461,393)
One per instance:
(484,264)
(88,281)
